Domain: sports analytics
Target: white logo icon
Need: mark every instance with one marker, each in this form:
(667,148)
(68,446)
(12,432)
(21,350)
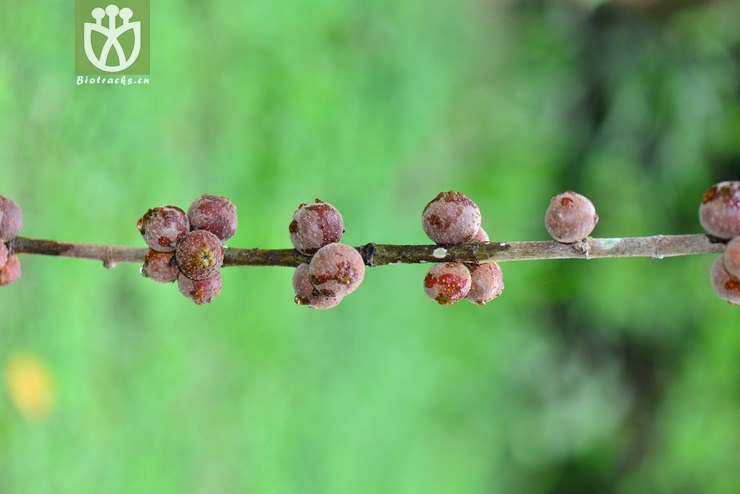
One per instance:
(111,32)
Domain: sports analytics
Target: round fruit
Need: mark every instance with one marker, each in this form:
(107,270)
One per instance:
(314,226)
(306,293)
(215,214)
(11,271)
(163,228)
(200,291)
(336,270)
(487,283)
(200,255)
(732,258)
(447,282)
(481,236)
(160,267)
(570,217)
(3,255)
(451,218)
(719,213)
(725,286)
(11,219)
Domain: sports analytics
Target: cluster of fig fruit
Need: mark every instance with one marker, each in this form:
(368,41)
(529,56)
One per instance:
(572,217)
(11,222)
(451,218)
(188,248)
(335,269)
(719,214)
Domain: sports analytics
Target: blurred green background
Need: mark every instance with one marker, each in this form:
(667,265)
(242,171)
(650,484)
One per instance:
(600,376)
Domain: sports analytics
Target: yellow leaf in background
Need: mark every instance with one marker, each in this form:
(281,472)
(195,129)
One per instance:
(29,384)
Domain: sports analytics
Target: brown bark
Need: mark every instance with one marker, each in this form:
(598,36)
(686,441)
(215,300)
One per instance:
(657,247)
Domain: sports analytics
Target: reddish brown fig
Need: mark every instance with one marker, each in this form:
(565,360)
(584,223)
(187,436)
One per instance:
(160,267)
(200,291)
(448,282)
(570,217)
(200,255)
(451,218)
(306,293)
(726,287)
(481,236)
(215,214)
(3,255)
(487,283)
(11,271)
(314,226)
(719,212)
(336,270)
(732,258)
(11,219)
(163,228)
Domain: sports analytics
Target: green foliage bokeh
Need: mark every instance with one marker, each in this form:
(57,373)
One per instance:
(599,376)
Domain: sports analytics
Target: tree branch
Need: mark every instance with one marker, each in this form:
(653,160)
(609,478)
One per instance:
(657,247)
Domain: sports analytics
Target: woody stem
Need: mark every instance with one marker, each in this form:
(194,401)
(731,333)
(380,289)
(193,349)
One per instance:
(657,247)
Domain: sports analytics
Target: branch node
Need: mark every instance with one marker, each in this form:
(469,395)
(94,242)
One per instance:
(367,252)
(715,240)
(656,247)
(583,246)
(108,262)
